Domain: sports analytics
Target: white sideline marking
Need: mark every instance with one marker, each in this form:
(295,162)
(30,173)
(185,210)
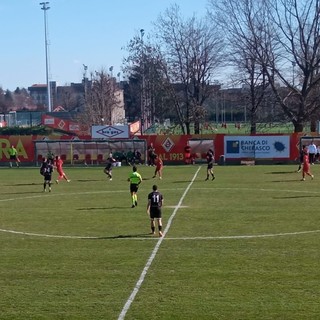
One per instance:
(153,254)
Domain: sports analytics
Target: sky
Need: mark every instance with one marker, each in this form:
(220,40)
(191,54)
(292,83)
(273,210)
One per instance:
(93,33)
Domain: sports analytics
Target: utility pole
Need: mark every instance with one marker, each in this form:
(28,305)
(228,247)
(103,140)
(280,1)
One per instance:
(45,8)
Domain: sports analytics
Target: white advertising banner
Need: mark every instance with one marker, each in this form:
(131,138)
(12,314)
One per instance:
(110,132)
(260,147)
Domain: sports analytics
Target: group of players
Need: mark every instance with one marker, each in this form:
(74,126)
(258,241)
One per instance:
(155,198)
(47,167)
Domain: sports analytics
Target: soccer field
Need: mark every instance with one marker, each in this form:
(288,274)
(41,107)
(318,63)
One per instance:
(244,246)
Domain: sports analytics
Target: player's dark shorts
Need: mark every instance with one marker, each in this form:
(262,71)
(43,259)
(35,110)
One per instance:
(155,213)
(210,165)
(134,187)
(13,157)
(47,177)
(108,168)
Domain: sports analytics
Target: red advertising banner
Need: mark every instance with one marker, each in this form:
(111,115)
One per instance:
(65,125)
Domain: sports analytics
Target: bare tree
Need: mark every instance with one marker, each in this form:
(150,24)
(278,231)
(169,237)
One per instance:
(22,99)
(3,105)
(283,38)
(192,50)
(298,25)
(68,98)
(101,100)
(240,21)
(147,85)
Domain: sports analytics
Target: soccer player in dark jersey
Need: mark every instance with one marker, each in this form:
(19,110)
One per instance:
(135,179)
(108,169)
(155,201)
(210,161)
(46,170)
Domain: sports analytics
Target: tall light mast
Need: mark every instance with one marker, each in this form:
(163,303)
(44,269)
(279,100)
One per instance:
(45,8)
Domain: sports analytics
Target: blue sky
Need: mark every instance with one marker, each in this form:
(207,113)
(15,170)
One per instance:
(81,32)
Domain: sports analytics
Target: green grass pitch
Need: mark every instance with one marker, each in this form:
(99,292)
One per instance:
(244,246)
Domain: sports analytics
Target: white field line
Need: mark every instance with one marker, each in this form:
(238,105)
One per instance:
(153,254)
(53,194)
(268,235)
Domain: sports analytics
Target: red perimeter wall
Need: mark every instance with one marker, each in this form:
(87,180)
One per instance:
(169,147)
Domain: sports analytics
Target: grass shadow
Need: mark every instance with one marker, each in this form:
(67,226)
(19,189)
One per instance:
(123,236)
(102,208)
(281,172)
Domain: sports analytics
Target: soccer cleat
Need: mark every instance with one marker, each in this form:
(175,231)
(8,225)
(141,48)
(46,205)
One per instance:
(49,189)
(160,178)
(133,206)
(213,177)
(110,179)
(303,179)
(206,179)
(160,234)
(68,180)
(312,177)
(135,203)
(153,177)
(57,181)
(152,232)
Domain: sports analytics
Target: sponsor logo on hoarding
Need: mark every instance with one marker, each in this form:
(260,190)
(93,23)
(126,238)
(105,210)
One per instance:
(168,144)
(48,121)
(61,124)
(110,131)
(74,127)
(257,146)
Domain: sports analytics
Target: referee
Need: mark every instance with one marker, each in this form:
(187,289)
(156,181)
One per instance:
(135,179)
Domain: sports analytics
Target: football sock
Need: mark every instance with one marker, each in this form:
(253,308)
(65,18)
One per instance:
(160,228)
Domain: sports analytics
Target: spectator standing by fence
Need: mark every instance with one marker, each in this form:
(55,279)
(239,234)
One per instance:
(312,149)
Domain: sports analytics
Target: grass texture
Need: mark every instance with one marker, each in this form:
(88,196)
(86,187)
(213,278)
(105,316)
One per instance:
(244,246)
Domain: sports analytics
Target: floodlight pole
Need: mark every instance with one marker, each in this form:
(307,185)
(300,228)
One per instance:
(143,94)
(45,8)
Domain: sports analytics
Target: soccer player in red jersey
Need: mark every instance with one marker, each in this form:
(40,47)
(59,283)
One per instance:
(306,167)
(58,163)
(159,167)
